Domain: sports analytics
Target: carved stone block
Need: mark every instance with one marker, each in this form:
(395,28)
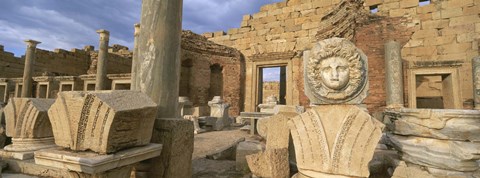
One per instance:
(104,121)
(451,124)
(330,138)
(28,124)
(442,154)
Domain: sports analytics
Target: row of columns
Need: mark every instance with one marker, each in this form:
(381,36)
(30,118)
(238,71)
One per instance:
(30,56)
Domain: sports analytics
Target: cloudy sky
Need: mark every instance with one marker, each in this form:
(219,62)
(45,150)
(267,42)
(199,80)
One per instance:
(70,24)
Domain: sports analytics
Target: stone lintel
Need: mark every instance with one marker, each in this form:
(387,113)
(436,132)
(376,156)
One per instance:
(93,163)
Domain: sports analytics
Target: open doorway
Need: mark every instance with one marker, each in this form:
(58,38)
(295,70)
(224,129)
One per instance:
(272,82)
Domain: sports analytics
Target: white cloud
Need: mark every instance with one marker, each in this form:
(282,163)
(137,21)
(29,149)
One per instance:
(72,24)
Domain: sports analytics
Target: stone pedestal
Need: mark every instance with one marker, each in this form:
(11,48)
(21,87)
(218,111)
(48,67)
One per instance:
(393,74)
(476,81)
(219,110)
(94,165)
(269,106)
(101,78)
(29,126)
(28,70)
(185,106)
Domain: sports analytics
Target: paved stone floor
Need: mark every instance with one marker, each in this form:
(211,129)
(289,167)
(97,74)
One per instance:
(217,143)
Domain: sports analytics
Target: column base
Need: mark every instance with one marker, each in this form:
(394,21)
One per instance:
(90,164)
(23,148)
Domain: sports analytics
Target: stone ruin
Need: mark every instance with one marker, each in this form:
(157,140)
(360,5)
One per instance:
(430,121)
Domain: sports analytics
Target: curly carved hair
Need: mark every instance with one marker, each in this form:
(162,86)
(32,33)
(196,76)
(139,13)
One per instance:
(342,48)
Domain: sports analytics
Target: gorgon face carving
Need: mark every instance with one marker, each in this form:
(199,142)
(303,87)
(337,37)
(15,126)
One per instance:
(335,72)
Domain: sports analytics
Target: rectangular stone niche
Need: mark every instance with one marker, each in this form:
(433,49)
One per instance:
(436,88)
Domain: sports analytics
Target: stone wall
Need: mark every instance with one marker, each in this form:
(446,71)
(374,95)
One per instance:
(208,70)
(62,62)
(441,31)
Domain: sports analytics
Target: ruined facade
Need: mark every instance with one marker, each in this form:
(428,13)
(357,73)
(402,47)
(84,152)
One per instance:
(437,39)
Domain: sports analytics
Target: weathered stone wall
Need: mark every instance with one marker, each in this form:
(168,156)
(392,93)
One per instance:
(62,62)
(445,30)
(199,57)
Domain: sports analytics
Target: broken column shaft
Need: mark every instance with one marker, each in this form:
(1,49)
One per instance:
(476,81)
(28,70)
(101,78)
(393,74)
(135,60)
(159,54)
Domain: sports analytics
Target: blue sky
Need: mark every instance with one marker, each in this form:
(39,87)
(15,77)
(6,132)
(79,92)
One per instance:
(271,74)
(70,24)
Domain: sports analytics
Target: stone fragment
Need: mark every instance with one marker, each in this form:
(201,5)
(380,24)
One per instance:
(176,135)
(104,121)
(441,154)
(196,125)
(270,105)
(244,149)
(270,163)
(275,130)
(461,125)
(89,164)
(28,124)
(219,110)
(404,171)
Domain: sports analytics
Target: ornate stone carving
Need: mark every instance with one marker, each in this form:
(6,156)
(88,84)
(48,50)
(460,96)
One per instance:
(335,72)
(103,122)
(333,140)
(28,124)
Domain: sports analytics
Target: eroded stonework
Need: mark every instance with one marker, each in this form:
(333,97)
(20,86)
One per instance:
(103,122)
(335,72)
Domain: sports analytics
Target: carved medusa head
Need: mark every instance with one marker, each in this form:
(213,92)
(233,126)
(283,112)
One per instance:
(335,72)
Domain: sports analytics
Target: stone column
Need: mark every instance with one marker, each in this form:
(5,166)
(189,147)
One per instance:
(159,53)
(28,70)
(476,81)
(135,60)
(100,83)
(158,75)
(393,74)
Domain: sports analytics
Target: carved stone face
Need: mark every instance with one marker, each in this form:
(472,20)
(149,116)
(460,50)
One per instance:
(335,72)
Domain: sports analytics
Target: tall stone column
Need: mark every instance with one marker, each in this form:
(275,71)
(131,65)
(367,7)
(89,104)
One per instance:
(159,53)
(158,75)
(476,81)
(101,80)
(393,74)
(135,60)
(28,69)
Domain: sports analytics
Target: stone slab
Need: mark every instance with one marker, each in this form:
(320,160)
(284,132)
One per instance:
(92,163)
(16,155)
(244,149)
(29,167)
(441,154)
(445,124)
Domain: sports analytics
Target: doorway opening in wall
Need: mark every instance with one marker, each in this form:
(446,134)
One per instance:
(435,91)
(272,82)
(66,87)
(3,93)
(43,90)
(216,81)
